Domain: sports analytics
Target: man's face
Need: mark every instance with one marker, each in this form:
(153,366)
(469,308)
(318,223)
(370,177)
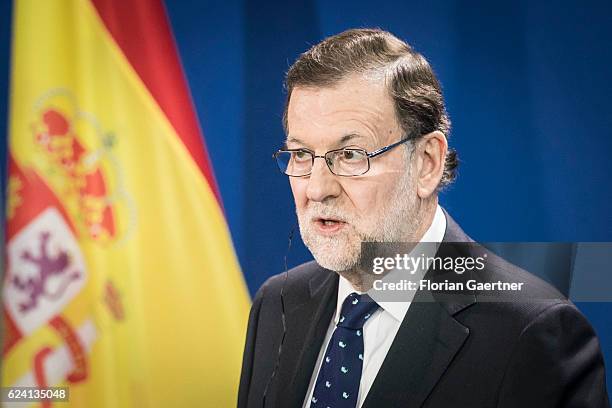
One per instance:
(337,213)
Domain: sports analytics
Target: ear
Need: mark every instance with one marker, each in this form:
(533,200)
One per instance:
(431,150)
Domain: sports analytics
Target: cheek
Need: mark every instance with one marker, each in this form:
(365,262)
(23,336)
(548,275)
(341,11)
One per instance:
(364,196)
(369,196)
(298,188)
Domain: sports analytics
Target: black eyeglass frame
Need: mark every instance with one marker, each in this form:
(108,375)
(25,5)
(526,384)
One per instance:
(375,153)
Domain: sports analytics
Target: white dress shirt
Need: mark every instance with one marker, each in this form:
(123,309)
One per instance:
(380,330)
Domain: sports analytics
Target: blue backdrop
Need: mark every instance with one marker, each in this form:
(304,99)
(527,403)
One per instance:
(526,85)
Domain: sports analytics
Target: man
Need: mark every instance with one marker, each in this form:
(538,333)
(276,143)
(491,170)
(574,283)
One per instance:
(367,154)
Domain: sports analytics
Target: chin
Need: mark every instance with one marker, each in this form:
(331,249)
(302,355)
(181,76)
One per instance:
(336,258)
(333,265)
(336,253)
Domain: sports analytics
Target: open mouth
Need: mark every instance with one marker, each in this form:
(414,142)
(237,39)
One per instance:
(329,225)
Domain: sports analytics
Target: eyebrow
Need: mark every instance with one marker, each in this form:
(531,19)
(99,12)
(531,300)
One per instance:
(291,139)
(346,138)
(349,137)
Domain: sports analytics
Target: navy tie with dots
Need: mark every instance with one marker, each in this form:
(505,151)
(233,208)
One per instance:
(337,385)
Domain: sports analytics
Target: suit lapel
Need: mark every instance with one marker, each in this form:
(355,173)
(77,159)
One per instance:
(426,342)
(424,346)
(307,325)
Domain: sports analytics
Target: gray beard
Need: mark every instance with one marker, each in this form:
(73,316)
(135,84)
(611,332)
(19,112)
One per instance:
(399,220)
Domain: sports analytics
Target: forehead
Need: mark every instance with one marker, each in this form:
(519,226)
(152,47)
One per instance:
(356,105)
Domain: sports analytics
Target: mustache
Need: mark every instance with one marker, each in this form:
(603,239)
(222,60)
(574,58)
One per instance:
(317,211)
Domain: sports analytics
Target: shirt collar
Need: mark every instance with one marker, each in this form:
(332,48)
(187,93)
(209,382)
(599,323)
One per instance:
(435,233)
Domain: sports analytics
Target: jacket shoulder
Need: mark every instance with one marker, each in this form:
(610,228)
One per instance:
(297,278)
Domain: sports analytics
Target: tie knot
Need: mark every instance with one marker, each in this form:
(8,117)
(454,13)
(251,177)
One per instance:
(356,310)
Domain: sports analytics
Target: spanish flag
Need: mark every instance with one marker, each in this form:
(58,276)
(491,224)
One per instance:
(121,279)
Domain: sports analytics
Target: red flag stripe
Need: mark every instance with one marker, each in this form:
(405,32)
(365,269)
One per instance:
(142,31)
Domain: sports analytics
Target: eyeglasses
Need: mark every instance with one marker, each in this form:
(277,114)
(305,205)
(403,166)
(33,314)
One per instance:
(346,162)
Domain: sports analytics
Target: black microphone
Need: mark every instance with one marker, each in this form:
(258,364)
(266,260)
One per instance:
(283,320)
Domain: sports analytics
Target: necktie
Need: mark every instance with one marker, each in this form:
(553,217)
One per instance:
(337,385)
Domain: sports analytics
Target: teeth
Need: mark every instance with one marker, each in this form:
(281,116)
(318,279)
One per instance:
(329,222)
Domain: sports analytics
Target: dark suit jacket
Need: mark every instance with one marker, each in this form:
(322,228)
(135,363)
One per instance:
(458,353)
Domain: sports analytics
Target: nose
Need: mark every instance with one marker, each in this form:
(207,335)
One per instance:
(322,183)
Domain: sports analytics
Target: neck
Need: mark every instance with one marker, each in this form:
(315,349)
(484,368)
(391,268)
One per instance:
(427,211)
